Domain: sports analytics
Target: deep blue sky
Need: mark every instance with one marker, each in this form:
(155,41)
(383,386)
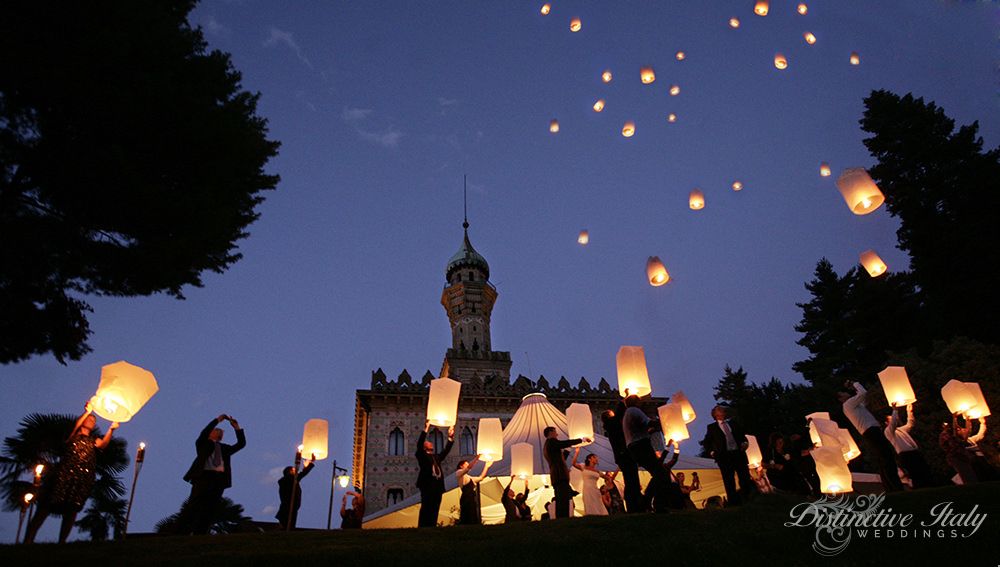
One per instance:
(382,107)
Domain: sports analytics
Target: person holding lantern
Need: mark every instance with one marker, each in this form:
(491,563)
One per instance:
(727,444)
(430,479)
(911,460)
(954,442)
(210,474)
(612,421)
(74,477)
(593,499)
(866,424)
(558,472)
(468,502)
(637,427)
(351,518)
(290,494)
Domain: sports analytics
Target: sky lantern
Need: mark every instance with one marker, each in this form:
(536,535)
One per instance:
(981,409)
(687,410)
(672,422)
(959,397)
(824,169)
(761,7)
(754,456)
(680,56)
(859,190)
(314,438)
(734,23)
(896,385)
(628,129)
(855,58)
(123,390)
(579,423)
(442,403)
(632,373)
(583,238)
(575,25)
(696,200)
(599,105)
(873,263)
(834,476)
(847,444)
(656,271)
(822,430)
(522,460)
(553,126)
(802,9)
(546,8)
(737,186)
(675,90)
(671,118)
(809,37)
(489,439)
(647,75)
(606,76)
(780,61)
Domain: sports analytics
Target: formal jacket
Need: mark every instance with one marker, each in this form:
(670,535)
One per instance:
(285,484)
(205,446)
(425,478)
(616,435)
(553,450)
(715,438)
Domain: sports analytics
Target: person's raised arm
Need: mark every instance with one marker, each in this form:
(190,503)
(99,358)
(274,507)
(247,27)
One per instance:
(203,436)
(308,467)
(482,475)
(447,446)
(343,506)
(860,393)
(893,422)
(981,433)
(421,438)
(509,484)
(103,442)
(576,455)
(911,419)
(241,438)
(88,408)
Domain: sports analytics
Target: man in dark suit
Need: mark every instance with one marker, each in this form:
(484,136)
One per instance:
(558,472)
(430,480)
(210,473)
(612,420)
(726,443)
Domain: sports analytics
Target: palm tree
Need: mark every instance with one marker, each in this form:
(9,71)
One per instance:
(226,518)
(41,438)
(101,516)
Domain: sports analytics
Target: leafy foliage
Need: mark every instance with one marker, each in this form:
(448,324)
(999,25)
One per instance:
(226,518)
(131,161)
(103,517)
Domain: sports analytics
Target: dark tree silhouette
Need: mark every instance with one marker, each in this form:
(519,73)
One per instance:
(103,518)
(226,518)
(131,161)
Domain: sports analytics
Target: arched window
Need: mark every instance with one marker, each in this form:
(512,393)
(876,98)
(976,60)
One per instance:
(396,443)
(437,438)
(393,496)
(467,443)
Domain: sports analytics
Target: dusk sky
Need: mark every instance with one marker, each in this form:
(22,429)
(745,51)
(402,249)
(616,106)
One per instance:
(382,107)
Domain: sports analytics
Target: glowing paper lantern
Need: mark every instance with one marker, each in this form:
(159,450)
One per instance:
(824,169)
(675,90)
(599,105)
(123,390)
(606,76)
(580,423)
(546,8)
(834,476)
(584,237)
(628,130)
(671,118)
(522,460)
(847,445)
(981,409)
(802,9)
(553,126)
(687,410)
(647,75)
(672,422)
(896,385)
(873,263)
(761,7)
(314,438)
(754,456)
(576,479)
(958,397)
(442,402)
(855,58)
(780,61)
(656,272)
(489,440)
(822,430)
(734,23)
(809,37)
(632,373)
(696,200)
(575,25)
(859,191)
(680,56)
(737,186)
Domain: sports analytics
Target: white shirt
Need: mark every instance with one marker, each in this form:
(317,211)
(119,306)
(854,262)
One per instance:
(899,435)
(857,413)
(635,425)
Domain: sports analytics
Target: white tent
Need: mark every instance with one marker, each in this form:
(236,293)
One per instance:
(526,426)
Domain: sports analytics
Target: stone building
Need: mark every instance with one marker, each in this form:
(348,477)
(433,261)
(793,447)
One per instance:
(389,416)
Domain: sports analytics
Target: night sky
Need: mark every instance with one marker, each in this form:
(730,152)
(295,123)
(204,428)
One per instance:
(382,107)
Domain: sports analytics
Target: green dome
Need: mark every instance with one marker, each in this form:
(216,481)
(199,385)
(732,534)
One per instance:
(467,257)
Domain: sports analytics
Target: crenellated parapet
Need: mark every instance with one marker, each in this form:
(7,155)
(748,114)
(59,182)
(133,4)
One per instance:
(496,386)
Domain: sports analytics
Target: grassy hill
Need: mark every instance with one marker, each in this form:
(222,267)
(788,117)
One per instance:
(752,535)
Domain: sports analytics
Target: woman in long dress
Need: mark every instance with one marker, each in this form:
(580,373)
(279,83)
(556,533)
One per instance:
(593,503)
(468,502)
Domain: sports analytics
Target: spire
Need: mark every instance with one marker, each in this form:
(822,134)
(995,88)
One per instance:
(465,204)
(466,255)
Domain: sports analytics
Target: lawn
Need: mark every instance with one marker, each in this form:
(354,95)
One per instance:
(752,535)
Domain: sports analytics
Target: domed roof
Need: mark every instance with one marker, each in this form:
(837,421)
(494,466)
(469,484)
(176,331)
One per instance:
(467,257)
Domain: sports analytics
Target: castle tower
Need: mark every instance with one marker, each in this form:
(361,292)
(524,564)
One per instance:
(468,299)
